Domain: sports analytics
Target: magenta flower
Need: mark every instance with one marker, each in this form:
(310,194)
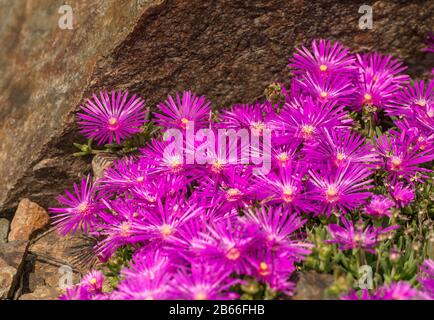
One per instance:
(80,211)
(378,80)
(324,59)
(340,148)
(379,206)
(187,112)
(284,186)
(121,223)
(164,157)
(349,236)
(426,279)
(342,189)
(245,116)
(403,195)
(275,271)
(149,264)
(76,293)
(123,175)
(304,119)
(276,230)
(402,155)
(413,99)
(336,89)
(202,282)
(111,118)
(227,243)
(143,288)
(93,282)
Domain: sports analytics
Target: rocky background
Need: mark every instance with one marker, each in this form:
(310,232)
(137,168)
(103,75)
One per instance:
(228,50)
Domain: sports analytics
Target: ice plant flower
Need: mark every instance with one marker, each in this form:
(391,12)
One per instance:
(325,58)
(80,209)
(187,111)
(427,278)
(93,281)
(379,206)
(350,236)
(340,148)
(244,116)
(284,186)
(304,119)
(336,89)
(276,227)
(342,189)
(202,282)
(402,156)
(402,194)
(412,99)
(113,117)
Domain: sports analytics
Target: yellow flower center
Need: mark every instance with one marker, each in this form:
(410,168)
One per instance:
(93,281)
(257,128)
(396,164)
(112,121)
(367,97)
(233,194)
(140,179)
(125,229)
(323,67)
(184,122)
(263,269)
(288,194)
(323,94)
(166,230)
(331,194)
(217,166)
(83,208)
(175,163)
(421,102)
(307,131)
(283,157)
(200,296)
(233,254)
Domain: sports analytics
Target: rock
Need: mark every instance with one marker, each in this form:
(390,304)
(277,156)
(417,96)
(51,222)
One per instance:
(7,281)
(312,286)
(28,218)
(4,230)
(41,293)
(227,50)
(53,253)
(14,252)
(12,255)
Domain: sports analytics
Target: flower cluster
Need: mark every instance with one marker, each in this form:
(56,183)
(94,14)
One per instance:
(203,230)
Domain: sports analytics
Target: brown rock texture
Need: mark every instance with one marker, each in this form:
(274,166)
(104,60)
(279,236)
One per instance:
(12,257)
(227,50)
(28,218)
(313,286)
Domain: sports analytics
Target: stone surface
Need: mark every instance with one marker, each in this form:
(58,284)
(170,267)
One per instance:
(41,293)
(4,230)
(228,50)
(312,286)
(12,255)
(50,253)
(7,281)
(14,252)
(28,218)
